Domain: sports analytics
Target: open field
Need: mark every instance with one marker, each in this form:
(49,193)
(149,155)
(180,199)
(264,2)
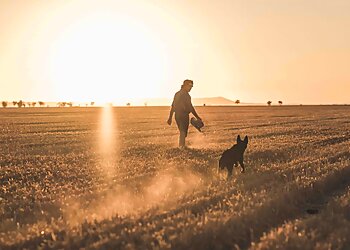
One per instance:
(114,178)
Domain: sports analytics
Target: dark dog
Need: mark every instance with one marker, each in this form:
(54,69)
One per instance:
(231,157)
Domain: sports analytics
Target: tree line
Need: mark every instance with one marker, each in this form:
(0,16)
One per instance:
(268,102)
(22,104)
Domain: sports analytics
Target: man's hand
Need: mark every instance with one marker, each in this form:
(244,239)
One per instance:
(169,120)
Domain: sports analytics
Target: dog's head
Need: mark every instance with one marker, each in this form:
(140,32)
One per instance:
(242,144)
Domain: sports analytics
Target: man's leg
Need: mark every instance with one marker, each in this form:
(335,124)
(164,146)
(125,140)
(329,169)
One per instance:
(182,122)
(182,139)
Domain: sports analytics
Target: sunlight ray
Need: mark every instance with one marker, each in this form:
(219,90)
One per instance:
(107,140)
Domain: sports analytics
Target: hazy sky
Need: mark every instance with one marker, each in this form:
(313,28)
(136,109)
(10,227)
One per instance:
(297,51)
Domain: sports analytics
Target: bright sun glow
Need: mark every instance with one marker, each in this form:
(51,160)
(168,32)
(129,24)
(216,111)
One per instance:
(106,59)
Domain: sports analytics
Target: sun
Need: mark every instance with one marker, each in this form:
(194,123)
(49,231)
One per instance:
(107,59)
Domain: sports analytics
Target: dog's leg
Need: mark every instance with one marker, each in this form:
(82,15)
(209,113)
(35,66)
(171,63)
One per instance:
(229,172)
(242,166)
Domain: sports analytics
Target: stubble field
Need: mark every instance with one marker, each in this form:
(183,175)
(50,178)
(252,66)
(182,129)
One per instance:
(114,178)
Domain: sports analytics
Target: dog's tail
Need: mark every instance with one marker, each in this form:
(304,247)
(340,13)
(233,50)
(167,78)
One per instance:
(220,166)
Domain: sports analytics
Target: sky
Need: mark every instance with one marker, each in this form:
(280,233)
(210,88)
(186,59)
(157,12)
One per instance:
(295,51)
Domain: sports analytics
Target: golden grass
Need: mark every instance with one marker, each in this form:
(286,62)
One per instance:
(60,190)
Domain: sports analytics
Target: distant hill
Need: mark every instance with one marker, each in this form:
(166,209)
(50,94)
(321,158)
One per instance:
(212,101)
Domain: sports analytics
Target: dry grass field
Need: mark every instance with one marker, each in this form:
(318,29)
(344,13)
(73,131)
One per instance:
(114,178)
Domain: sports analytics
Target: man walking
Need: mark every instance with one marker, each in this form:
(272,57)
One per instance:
(182,106)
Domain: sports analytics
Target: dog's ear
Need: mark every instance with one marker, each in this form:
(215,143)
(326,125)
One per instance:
(238,139)
(246,140)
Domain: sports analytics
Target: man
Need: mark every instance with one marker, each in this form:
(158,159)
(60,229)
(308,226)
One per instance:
(182,106)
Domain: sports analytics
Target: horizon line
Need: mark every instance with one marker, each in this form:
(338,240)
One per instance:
(137,102)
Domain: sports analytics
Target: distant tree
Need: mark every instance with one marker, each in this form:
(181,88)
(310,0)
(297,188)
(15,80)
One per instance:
(269,103)
(128,104)
(41,103)
(61,104)
(237,101)
(14,103)
(145,104)
(92,103)
(33,104)
(280,102)
(204,104)
(20,104)
(4,104)
(29,104)
(70,104)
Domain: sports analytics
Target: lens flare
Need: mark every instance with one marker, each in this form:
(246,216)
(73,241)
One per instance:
(108,138)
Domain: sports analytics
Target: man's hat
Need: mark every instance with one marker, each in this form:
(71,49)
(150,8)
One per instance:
(198,124)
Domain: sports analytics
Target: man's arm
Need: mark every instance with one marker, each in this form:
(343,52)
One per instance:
(192,110)
(171,113)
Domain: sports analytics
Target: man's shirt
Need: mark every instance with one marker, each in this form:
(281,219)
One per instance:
(182,104)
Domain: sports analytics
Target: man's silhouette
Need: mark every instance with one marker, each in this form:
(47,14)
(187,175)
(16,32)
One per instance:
(182,106)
